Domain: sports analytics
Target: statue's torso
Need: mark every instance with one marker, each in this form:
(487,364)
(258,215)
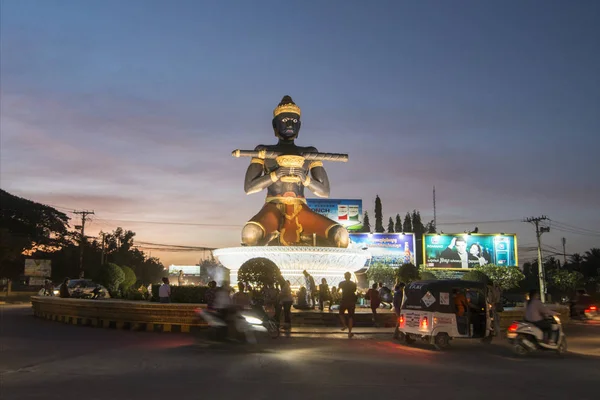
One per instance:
(280,188)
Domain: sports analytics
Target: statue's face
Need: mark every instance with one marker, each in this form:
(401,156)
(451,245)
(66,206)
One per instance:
(286,126)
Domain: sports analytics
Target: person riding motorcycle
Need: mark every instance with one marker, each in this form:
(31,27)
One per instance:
(537,313)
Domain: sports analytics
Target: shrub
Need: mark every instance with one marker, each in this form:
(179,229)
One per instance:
(111,276)
(135,294)
(259,272)
(183,294)
(129,280)
(407,273)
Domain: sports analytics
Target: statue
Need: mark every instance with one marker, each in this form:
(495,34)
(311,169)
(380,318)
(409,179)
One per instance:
(285,169)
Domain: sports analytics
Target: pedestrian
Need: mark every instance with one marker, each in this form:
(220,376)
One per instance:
(398,302)
(324,294)
(164,291)
(64,289)
(310,288)
(348,302)
(385,295)
(373,296)
(286,301)
(210,294)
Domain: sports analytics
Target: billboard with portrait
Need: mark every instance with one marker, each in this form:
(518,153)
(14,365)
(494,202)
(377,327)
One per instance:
(469,250)
(392,249)
(346,212)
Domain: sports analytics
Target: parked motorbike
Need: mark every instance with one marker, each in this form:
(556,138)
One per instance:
(525,337)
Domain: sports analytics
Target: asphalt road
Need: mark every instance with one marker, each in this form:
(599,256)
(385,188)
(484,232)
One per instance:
(41,359)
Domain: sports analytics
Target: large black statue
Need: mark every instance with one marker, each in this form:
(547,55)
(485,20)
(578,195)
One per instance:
(285,169)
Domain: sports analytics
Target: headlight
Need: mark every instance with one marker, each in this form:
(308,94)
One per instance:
(56,292)
(557,319)
(253,320)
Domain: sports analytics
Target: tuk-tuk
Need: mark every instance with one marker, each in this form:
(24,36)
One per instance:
(437,311)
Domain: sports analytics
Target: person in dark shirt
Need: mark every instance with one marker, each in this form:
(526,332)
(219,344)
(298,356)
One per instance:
(348,302)
(64,289)
(324,294)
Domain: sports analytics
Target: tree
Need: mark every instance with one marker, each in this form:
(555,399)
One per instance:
(407,273)
(259,272)
(417,225)
(505,277)
(129,279)
(431,227)
(591,264)
(378,215)
(407,226)
(398,225)
(27,226)
(111,276)
(566,281)
(390,228)
(366,223)
(427,276)
(379,272)
(476,276)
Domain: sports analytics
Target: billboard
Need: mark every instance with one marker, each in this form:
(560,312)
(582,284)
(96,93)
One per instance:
(468,251)
(187,269)
(392,249)
(39,268)
(346,212)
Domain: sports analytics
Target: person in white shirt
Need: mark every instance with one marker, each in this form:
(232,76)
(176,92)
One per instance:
(164,291)
(537,313)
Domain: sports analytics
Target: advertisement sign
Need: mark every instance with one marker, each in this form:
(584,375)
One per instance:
(193,270)
(346,212)
(39,268)
(463,251)
(392,249)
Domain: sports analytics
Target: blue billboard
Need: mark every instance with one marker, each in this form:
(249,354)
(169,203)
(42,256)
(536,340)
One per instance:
(392,249)
(469,250)
(346,212)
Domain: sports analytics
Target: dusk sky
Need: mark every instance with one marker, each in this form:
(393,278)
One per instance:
(132,108)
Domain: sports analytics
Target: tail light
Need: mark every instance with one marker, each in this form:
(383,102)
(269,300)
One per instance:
(513,327)
(593,308)
(401,320)
(424,323)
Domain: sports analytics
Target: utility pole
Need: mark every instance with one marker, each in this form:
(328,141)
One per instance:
(538,233)
(564,243)
(84,215)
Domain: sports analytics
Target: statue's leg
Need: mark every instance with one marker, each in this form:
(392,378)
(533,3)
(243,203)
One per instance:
(260,229)
(328,231)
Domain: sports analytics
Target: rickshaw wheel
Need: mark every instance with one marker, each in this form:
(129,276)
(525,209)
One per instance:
(408,339)
(442,341)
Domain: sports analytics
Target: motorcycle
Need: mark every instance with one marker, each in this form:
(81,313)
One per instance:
(525,337)
(246,324)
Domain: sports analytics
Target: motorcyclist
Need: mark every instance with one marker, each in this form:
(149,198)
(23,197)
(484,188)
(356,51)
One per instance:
(537,313)
(225,308)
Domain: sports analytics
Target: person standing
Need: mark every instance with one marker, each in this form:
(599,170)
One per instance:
(373,297)
(324,294)
(164,291)
(348,302)
(286,301)
(398,302)
(64,289)
(310,288)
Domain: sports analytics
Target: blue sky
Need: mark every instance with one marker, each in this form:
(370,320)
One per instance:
(132,108)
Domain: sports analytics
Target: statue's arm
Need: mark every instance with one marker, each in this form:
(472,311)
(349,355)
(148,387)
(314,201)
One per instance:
(255,181)
(318,182)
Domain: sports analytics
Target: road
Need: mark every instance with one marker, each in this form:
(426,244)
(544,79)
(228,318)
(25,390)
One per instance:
(41,359)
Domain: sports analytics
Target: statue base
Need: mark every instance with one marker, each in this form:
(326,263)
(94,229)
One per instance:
(321,262)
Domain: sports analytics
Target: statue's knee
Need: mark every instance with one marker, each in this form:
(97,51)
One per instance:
(339,236)
(252,234)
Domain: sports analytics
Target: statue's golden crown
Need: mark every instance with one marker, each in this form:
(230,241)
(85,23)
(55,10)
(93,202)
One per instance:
(286,105)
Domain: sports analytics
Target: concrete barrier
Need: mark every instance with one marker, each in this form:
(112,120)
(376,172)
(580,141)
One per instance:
(134,315)
(139,315)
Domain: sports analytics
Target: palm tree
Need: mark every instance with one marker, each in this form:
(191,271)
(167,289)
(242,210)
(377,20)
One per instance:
(592,256)
(591,263)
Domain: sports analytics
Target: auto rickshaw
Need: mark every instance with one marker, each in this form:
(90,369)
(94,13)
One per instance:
(437,311)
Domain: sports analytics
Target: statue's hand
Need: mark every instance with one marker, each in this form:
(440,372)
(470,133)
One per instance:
(299,172)
(283,171)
